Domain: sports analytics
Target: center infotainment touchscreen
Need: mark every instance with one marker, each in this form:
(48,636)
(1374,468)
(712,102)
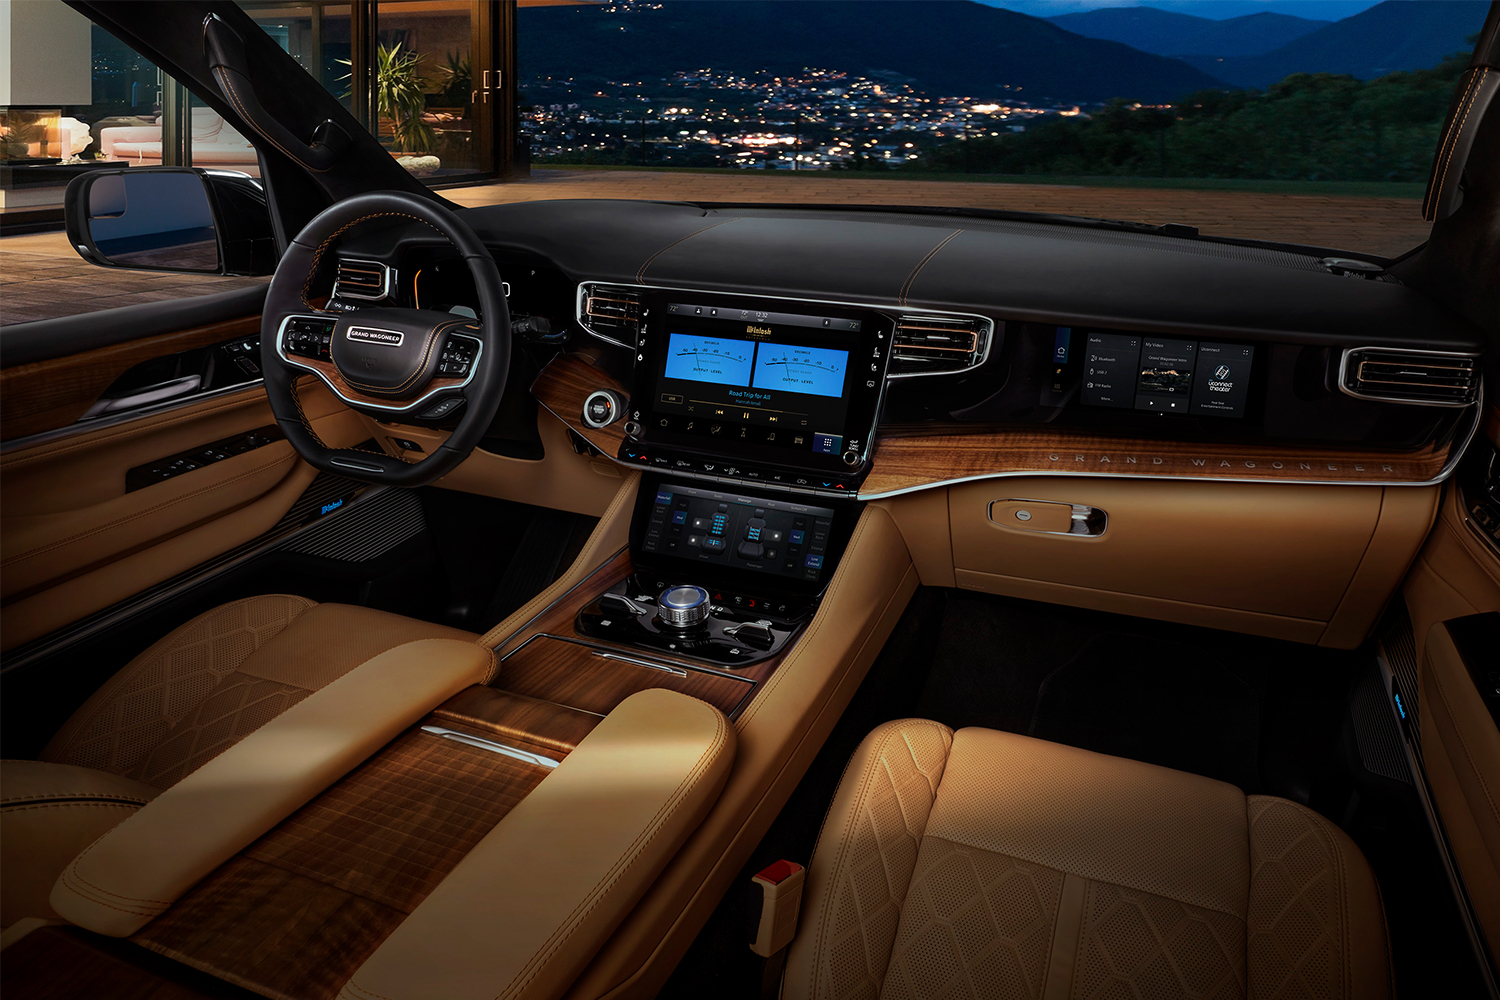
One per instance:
(794,388)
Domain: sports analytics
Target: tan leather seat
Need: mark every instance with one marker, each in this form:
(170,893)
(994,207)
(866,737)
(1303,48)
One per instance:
(185,700)
(985,864)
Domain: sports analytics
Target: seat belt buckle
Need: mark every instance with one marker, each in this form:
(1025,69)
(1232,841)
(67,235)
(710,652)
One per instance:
(780,886)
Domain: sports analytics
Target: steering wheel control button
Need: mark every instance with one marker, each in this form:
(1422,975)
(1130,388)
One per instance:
(309,338)
(683,606)
(442,409)
(602,408)
(457,357)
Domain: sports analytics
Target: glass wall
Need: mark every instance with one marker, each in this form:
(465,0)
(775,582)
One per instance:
(138,116)
(412,71)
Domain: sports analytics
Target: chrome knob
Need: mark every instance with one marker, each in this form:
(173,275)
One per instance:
(682,606)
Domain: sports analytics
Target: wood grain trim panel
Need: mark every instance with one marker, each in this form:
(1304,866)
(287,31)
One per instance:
(579,676)
(569,674)
(564,384)
(909,458)
(45,395)
(330,374)
(297,912)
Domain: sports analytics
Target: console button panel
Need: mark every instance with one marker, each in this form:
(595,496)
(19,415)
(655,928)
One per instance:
(756,534)
(741,629)
(308,337)
(457,357)
(739,473)
(175,465)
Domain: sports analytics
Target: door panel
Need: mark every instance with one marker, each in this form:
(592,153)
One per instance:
(1455,579)
(45,395)
(74,540)
(1461,755)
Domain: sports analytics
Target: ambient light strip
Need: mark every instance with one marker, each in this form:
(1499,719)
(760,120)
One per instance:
(491,746)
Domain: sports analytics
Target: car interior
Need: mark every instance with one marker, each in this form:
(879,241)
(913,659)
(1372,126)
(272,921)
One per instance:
(591,598)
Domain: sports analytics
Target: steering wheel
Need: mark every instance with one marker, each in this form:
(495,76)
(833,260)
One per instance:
(385,362)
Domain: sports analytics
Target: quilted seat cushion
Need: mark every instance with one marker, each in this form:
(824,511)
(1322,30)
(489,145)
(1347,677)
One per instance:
(984,864)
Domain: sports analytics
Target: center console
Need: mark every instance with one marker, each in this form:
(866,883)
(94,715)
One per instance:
(720,575)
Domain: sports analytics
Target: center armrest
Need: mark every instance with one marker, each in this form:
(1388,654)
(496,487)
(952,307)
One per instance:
(528,907)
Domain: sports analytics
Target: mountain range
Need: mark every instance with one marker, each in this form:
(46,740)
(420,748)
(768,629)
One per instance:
(1168,33)
(964,48)
(949,47)
(1395,35)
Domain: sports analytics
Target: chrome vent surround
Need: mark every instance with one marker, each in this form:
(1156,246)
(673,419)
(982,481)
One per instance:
(1425,378)
(939,344)
(611,313)
(362,279)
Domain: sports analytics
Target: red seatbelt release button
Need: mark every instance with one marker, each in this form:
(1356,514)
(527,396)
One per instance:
(780,886)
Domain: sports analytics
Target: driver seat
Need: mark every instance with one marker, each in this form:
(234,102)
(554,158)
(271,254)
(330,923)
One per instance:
(189,697)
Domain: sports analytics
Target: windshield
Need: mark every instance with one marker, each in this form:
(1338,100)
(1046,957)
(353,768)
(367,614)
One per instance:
(1300,121)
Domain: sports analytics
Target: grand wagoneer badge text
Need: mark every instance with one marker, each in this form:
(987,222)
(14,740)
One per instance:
(365,335)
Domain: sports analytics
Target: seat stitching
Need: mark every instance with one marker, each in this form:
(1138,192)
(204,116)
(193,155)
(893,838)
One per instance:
(157,508)
(73,797)
(629,858)
(640,275)
(1471,95)
(223,75)
(432,339)
(73,869)
(66,805)
(878,751)
(323,247)
(901,296)
(838,863)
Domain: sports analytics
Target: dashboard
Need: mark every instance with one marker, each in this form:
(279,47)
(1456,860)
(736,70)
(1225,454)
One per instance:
(865,354)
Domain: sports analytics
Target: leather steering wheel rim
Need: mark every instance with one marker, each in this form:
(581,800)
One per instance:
(287,298)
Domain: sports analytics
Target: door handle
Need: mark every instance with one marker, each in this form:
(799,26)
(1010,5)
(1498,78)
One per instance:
(158,393)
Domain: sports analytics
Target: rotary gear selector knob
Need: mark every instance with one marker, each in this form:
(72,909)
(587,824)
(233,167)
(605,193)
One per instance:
(682,606)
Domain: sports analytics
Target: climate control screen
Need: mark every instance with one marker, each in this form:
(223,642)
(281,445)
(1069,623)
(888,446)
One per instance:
(739,532)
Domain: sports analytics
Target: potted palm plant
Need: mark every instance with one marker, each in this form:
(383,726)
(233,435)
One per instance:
(399,102)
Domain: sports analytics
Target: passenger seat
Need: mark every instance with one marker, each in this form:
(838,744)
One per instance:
(985,864)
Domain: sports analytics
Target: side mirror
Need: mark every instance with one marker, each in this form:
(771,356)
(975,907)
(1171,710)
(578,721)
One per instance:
(171,219)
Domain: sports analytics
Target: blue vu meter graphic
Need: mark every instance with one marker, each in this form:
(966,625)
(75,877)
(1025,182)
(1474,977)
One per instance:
(709,359)
(813,370)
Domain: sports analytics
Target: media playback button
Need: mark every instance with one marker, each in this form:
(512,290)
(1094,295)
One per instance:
(1110,366)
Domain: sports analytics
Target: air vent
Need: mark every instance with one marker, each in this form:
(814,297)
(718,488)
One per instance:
(936,345)
(362,279)
(1427,378)
(610,313)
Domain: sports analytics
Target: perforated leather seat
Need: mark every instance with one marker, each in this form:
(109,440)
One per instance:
(185,700)
(985,864)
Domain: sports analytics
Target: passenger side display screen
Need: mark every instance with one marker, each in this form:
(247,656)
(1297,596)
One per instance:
(1130,371)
